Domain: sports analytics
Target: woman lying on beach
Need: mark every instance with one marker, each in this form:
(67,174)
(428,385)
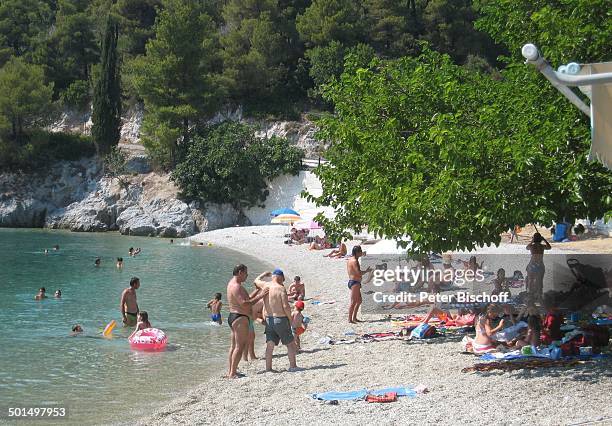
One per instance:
(337,253)
(319,244)
(484,330)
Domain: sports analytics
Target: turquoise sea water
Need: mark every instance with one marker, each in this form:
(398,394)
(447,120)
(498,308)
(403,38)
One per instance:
(103,380)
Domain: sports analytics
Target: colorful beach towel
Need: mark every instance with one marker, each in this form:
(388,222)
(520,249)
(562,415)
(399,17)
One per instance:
(362,393)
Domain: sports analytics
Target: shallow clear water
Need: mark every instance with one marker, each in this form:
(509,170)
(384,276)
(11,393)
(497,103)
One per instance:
(103,380)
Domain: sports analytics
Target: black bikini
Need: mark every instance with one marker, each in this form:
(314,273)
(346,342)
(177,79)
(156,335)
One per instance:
(233,316)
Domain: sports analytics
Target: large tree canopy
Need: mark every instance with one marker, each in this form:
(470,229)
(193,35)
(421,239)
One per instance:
(453,158)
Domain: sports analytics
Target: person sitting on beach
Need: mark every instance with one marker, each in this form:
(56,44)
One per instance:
(58,294)
(339,252)
(532,338)
(472,264)
(278,320)
(41,294)
(239,319)
(215,309)
(119,262)
(297,236)
(128,304)
(551,326)
(297,289)
(500,283)
(97,262)
(76,330)
(483,342)
(355,275)
(298,326)
(319,243)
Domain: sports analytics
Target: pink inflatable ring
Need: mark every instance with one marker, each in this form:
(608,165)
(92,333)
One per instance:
(149,339)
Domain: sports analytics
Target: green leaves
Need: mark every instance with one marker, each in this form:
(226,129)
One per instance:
(228,164)
(455,160)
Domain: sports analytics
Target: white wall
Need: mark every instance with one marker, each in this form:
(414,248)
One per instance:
(285,192)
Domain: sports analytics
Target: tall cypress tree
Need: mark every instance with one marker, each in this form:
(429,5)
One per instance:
(106,115)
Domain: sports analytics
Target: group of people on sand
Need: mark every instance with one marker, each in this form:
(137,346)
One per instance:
(268,304)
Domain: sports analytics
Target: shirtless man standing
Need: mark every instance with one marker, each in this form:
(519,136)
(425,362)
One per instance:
(354,283)
(239,319)
(278,320)
(128,304)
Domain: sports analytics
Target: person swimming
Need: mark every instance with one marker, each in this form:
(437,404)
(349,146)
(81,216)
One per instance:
(119,262)
(131,251)
(76,330)
(41,294)
(58,294)
(97,261)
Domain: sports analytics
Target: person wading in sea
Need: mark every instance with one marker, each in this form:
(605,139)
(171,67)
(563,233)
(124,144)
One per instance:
(129,305)
(240,307)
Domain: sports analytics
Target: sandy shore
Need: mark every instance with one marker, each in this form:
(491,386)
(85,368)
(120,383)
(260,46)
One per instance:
(544,396)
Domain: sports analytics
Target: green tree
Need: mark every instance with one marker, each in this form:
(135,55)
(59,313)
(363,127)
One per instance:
(137,20)
(25,99)
(71,49)
(23,25)
(178,77)
(392,27)
(229,164)
(106,113)
(255,53)
(452,158)
(578,30)
(328,20)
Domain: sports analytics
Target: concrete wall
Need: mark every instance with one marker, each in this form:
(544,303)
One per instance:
(285,191)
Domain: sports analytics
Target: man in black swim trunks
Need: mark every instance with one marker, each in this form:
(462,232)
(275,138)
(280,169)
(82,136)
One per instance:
(240,304)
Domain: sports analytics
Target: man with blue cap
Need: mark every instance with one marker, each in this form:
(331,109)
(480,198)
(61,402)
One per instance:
(278,318)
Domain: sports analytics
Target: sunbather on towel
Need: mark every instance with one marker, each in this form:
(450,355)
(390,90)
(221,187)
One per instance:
(337,252)
(532,338)
(485,330)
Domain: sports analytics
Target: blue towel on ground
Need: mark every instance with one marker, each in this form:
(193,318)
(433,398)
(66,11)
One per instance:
(511,356)
(361,394)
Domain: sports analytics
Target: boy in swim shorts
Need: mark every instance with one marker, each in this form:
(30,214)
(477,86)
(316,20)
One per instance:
(215,309)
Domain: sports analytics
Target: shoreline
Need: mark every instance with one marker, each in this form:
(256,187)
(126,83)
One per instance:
(543,396)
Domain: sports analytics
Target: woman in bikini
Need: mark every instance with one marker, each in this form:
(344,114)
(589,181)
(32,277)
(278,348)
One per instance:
(484,330)
(535,268)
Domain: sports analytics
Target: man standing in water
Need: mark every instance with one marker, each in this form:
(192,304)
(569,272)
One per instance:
(278,318)
(129,305)
(354,283)
(239,319)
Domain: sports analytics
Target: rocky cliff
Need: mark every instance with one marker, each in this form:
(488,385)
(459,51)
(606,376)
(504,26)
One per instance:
(77,196)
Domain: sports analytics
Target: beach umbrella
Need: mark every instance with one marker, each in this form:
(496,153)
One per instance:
(310,224)
(278,212)
(287,218)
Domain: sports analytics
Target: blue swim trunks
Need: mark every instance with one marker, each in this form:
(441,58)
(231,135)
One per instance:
(351,283)
(215,317)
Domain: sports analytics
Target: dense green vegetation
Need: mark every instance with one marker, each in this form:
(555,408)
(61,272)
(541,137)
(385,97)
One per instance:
(437,126)
(453,156)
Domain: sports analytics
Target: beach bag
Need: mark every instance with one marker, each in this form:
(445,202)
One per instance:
(423,331)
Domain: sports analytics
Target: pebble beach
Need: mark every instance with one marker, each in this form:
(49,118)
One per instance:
(548,396)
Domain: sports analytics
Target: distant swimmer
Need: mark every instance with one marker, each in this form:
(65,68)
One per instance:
(97,261)
(131,251)
(119,262)
(215,309)
(129,305)
(171,241)
(46,251)
(137,251)
(58,294)
(76,330)
(41,294)
(56,247)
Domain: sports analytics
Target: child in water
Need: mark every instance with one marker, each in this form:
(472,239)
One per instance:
(143,321)
(297,322)
(215,309)
(76,330)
